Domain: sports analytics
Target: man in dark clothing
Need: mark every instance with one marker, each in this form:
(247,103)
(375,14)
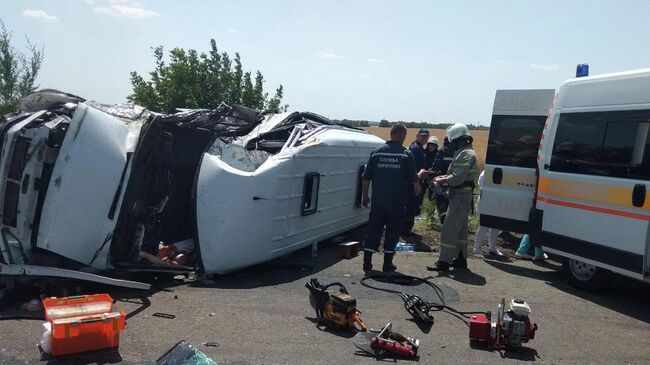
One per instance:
(391,169)
(431,151)
(441,164)
(418,148)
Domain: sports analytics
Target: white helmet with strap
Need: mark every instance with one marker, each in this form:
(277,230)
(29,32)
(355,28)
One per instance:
(456,131)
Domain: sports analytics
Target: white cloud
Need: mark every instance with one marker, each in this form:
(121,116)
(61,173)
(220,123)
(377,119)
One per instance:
(232,30)
(361,75)
(40,15)
(499,61)
(329,56)
(375,60)
(124,9)
(551,67)
(90,2)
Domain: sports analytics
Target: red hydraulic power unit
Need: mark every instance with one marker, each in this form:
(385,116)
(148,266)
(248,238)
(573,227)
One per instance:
(511,327)
(479,327)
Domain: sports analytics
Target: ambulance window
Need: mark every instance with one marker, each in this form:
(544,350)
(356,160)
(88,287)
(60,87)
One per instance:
(646,158)
(514,140)
(644,168)
(619,143)
(603,144)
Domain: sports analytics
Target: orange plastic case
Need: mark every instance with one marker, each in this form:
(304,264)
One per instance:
(83,323)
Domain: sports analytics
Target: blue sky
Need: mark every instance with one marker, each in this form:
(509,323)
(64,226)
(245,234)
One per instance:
(433,61)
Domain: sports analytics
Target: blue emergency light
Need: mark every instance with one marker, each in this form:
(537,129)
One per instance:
(582,70)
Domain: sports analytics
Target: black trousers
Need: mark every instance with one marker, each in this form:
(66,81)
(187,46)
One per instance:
(413,208)
(382,219)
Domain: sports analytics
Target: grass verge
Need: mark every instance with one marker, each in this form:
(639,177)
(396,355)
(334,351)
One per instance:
(431,221)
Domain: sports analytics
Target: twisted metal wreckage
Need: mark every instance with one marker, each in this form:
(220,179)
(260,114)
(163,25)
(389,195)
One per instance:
(88,189)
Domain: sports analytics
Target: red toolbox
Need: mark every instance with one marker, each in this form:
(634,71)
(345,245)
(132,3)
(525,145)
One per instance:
(83,323)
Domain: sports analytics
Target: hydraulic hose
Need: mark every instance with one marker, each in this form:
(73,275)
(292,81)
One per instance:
(416,306)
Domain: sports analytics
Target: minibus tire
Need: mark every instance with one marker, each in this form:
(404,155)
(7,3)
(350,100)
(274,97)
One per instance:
(586,276)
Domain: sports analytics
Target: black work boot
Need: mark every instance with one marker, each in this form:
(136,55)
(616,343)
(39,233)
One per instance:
(367,260)
(388,262)
(439,266)
(460,262)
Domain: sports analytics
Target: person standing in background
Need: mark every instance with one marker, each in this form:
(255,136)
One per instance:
(524,247)
(432,150)
(414,202)
(482,231)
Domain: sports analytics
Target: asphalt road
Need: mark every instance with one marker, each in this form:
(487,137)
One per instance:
(262,316)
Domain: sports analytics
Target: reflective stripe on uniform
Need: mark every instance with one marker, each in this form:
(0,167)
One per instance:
(369,250)
(391,154)
(461,164)
(454,245)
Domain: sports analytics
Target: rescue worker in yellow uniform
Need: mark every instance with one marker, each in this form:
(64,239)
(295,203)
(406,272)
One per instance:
(461,178)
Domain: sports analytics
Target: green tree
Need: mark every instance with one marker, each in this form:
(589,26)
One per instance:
(190,79)
(18,71)
(247,91)
(274,104)
(258,92)
(384,123)
(236,81)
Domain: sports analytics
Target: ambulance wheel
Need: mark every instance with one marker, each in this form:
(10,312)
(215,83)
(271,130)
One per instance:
(586,276)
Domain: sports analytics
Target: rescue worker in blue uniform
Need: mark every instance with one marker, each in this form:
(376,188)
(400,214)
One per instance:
(414,203)
(443,158)
(391,170)
(461,176)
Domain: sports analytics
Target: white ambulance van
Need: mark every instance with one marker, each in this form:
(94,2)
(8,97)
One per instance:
(584,194)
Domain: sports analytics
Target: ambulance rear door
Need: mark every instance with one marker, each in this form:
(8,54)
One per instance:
(518,119)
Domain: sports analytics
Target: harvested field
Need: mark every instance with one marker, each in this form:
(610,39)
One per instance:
(480,139)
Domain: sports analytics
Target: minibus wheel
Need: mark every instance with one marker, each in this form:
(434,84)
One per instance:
(586,276)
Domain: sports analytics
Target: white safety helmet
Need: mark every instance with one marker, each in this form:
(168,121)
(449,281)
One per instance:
(456,131)
(434,140)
